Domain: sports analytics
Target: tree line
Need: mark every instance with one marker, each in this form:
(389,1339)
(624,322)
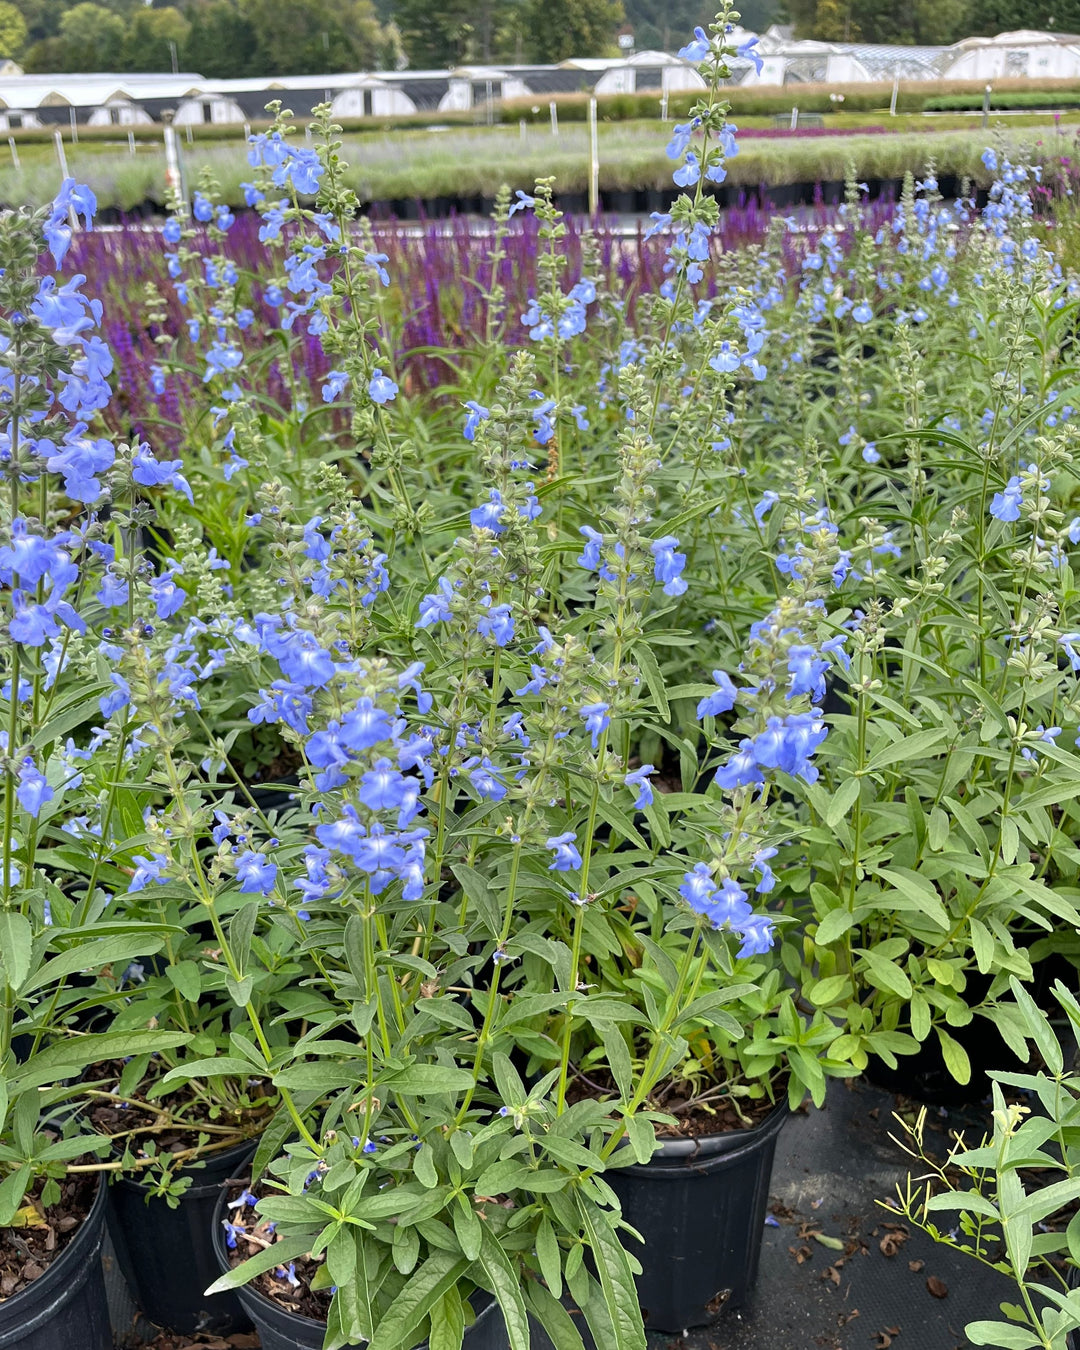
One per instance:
(224,39)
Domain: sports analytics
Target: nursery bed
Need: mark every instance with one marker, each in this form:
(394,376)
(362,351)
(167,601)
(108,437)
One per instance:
(832,1166)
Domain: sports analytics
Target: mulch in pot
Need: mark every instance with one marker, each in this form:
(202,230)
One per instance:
(39,1235)
(288,1286)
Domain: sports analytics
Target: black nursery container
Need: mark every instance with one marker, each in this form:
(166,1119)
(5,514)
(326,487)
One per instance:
(66,1308)
(280,1329)
(165,1253)
(700,1206)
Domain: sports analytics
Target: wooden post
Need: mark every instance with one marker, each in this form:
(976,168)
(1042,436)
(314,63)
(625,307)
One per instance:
(594,162)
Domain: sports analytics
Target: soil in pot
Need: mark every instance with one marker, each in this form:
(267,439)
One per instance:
(52,1293)
(164,1250)
(286,1313)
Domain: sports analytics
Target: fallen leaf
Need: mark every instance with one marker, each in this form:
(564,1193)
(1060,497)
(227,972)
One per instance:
(831,1273)
(834,1244)
(937,1287)
(891,1241)
(915,1266)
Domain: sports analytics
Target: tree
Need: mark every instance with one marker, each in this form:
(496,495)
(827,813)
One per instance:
(556,30)
(312,36)
(221,43)
(92,38)
(435,38)
(148,38)
(12,30)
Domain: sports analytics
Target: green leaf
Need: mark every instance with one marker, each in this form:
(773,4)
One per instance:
(1005,1335)
(618,1059)
(475,886)
(616,1279)
(1037,1026)
(956,1057)
(440,1272)
(830,990)
(549,1257)
(278,1254)
(92,955)
(467,1227)
(982,944)
(12,1190)
(919,1013)
(842,801)
(186,978)
(232,1065)
(423,1078)
(884,974)
(424,1166)
(645,658)
(911,747)
(834,925)
(239,990)
(16,946)
(505,1283)
(240,930)
(447,1322)
(553,1317)
(60,1059)
(642,1135)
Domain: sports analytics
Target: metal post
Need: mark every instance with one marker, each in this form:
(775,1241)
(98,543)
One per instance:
(247,132)
(795,118)
(594,162)
(490,103)
(187,132)
(74,127)
(895,93)
(131,143)
(554,117)
(663,106)
(61,159)
(986,105)
(14,151)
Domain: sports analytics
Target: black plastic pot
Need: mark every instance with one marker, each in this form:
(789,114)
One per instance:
(280,1329)
(165,1253)
(66,1308)
(700,1206)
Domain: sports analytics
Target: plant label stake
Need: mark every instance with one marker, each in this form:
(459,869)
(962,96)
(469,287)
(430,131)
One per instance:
(61,159)
(594,162)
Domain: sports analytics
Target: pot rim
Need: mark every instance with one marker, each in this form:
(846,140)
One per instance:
(676,1155)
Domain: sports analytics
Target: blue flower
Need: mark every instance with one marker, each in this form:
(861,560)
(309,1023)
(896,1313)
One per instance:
(497,624)
(150,472)
(989,159)
(760,864)
(712,705)
(256,875)
(747,52)
(567,858)
(485,779)
(596,720)
(336,384)
(698,48)
(668,565)
(741,770)
(758,933)
(689,173)
(590,557)
(381,388)
(477,414)
(862,313)
(1006,505)
(147,870)
(33,790)
(488,516)
(639,778)
(435,608)
(202,208)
